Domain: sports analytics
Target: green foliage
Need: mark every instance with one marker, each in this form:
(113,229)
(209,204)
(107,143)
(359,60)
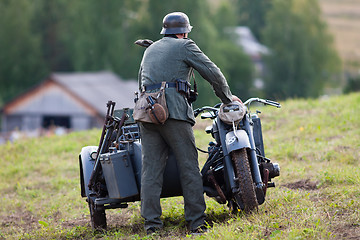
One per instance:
(95,35)
(87,36)
(302,57)
(64,35)
(240,77)
(21,63)
(352,84)
(252,13)
(233,62)
(48,23)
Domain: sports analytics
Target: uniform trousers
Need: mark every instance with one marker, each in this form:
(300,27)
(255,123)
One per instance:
(156,141)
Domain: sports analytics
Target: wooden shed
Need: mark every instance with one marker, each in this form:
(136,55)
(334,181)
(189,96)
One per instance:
(75,101)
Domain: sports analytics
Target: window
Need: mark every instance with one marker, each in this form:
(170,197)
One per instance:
(60,121)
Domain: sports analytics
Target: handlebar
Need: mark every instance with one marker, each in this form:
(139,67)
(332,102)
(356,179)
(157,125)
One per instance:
(264,101)
(246,103)
(205,108)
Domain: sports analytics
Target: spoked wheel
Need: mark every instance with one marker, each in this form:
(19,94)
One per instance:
(97,215)
(246,197)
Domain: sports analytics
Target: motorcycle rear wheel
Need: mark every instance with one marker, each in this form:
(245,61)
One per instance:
(246,197)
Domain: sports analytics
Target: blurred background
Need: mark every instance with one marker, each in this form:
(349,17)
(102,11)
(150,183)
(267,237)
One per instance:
(277,49)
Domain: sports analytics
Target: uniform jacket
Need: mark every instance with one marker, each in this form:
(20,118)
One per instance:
(169,59)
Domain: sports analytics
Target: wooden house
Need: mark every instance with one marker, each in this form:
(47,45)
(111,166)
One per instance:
(75,101)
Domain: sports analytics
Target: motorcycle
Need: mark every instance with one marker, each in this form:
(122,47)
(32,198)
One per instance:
(236,171)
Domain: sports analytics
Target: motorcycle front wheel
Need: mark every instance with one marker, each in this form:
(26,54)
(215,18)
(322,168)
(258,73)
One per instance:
(245,198)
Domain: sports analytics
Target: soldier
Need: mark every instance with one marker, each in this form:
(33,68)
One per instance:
(170,59)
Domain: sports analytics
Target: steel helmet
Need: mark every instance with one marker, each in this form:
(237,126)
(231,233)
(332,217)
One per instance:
(176,23)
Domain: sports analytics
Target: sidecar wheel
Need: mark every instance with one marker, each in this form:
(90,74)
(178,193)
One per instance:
(246,198)
(97,215)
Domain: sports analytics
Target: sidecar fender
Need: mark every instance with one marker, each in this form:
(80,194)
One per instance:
(86,164)
(237,141)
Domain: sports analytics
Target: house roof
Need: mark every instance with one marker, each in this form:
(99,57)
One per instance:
(248,42)
(91,89)
(98,88)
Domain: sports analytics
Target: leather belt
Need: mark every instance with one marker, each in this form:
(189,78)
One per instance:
(158,85)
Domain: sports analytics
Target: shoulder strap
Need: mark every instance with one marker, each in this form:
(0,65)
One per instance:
(193,76)
(163,85)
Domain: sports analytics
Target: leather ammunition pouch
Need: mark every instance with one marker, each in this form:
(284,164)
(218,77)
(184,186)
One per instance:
(151,107)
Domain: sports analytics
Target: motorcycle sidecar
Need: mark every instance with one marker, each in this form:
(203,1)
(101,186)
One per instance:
(120,180)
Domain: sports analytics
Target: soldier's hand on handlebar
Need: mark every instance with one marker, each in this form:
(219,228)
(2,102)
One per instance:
(235,98)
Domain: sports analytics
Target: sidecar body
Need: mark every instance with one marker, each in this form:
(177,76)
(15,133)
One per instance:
(120,178)
(122,173)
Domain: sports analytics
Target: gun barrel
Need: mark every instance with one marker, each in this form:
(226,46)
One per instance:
(110,111)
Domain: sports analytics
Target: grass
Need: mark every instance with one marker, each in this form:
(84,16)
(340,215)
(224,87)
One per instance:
(315,141)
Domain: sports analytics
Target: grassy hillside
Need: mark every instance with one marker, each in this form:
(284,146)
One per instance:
(316,142)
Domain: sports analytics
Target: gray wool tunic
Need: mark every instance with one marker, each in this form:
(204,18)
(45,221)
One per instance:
(169,59)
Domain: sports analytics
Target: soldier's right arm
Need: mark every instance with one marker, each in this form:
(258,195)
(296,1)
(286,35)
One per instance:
(208,70)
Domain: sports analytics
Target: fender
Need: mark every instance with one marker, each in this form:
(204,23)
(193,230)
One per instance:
(237,141)
(86,167)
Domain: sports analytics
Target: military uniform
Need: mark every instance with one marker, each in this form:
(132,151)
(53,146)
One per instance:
(167,60)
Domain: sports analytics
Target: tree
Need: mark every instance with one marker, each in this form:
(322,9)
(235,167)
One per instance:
(252,13)
(50,24)
(234,63)
(21,63)
(92,35)
(302,56)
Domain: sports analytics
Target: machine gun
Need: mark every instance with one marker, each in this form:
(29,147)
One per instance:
(111,129)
